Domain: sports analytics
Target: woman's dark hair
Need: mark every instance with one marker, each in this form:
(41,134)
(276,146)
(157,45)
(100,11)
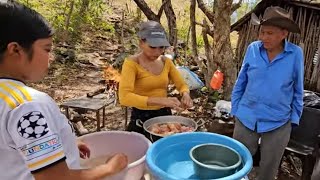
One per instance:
(22,25)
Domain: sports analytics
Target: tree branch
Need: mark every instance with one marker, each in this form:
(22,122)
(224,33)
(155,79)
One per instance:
(209,30)
(236,6)
(206,10)
(147,11)
(162,8)
(172,22)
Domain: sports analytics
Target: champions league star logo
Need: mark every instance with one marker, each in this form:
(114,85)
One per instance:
(32,125)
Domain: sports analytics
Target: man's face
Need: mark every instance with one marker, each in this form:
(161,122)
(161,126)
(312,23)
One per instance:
(36,67)
(272,36)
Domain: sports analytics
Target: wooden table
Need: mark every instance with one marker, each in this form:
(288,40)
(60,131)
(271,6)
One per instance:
(95,104)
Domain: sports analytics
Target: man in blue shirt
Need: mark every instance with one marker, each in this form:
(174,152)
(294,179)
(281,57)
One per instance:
(268,94)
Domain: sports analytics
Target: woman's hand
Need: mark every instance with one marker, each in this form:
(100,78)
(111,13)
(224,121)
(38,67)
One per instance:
(173,103)
(83,150)
(186,100)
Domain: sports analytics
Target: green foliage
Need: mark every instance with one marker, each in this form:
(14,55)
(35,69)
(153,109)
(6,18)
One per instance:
(246,7)
(200,42)
(70,17)
(215,96)
(107,27)
(183,31)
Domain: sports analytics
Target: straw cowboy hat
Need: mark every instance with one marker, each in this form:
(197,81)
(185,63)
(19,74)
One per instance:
(276,16)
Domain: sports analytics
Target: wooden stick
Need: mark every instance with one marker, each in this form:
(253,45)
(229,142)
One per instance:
(122,33)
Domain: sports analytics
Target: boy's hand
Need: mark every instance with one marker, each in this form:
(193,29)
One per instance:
(117,163)
(83,150)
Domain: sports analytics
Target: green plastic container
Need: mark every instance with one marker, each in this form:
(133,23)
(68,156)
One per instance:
(211,161)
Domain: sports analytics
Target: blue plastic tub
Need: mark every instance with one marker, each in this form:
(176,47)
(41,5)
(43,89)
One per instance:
(168,158)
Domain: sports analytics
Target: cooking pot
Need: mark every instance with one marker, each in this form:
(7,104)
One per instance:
(167,119)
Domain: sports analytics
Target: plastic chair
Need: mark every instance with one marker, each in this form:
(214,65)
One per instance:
(304,140)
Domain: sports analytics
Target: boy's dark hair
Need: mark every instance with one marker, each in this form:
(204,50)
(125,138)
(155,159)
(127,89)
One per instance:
(22,25)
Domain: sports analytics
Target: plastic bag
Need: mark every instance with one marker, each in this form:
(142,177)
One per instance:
(223,109)
(190,78)
(311,99)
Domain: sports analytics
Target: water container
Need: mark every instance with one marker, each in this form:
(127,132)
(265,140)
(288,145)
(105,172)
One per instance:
(216,80)
(134,145)
(169,159)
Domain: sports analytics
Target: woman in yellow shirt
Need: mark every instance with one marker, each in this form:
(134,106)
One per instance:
(145,77)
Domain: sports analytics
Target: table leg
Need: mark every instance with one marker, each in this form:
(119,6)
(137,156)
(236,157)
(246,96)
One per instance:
(125,117)
(98,120)
(103,117)
(67,113)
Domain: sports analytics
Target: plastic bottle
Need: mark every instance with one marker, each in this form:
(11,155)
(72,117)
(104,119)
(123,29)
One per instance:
(216,80)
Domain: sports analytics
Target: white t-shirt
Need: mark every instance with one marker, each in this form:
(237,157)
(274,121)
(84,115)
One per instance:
(34,134)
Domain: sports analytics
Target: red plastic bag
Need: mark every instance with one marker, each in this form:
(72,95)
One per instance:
(216,80)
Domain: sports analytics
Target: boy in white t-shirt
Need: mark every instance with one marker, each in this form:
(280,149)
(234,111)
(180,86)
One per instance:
(36,140)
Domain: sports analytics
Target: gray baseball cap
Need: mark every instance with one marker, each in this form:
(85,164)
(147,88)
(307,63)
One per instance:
(153,33)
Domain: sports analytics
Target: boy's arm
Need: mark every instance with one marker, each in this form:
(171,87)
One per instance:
(61,171)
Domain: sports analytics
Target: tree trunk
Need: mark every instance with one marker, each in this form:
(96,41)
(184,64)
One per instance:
(222,54)
(193,29)
(208,52)
(207,48)
(172,24)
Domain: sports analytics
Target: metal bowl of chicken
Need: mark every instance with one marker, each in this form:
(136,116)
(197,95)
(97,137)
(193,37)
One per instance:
(162,126)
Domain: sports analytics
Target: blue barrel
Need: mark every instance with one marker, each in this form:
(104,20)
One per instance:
(168,158)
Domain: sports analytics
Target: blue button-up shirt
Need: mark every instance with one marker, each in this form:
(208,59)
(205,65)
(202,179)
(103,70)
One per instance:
(268,94)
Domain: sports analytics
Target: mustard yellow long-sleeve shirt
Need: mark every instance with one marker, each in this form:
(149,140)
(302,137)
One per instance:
(137,84)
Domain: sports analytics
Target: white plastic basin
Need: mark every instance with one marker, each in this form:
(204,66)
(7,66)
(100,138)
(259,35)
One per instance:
(107,143)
